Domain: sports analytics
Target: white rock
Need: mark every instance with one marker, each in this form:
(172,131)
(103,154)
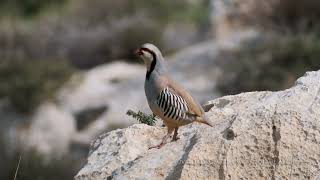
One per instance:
(256,135)
(118,86)
(50,132)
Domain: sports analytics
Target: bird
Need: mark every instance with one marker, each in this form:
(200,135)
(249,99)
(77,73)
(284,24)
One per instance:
(166,98)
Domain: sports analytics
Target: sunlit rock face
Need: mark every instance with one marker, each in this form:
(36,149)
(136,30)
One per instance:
(256,135)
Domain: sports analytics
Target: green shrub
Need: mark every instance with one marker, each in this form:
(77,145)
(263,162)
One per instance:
(142,117)
(271,65)
(28,83)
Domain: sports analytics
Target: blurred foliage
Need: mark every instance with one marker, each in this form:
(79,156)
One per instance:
(296,15)
(128,24)
(34,167)
(142,117)
(167,10)
(290,47)
(163,11)
(27,84)
(26,8)
(92,32)
(271,65)
(133,37)
(283,15)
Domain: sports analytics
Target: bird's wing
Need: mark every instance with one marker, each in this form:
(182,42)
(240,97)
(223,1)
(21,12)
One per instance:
(172,105)
(193,106)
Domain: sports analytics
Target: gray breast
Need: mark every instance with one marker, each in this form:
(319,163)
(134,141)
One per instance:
(150,91)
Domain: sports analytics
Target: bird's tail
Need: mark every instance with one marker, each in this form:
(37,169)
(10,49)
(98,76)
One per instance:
(204,120)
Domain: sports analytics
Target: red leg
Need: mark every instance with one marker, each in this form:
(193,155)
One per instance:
(164,139)
(175,134)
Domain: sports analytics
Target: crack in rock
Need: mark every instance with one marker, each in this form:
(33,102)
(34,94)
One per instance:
(316,97)
(221,170)
(124,167)
(228,129)
(175,173)
(276,136)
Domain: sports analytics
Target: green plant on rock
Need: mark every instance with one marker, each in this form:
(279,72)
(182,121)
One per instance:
(142,117)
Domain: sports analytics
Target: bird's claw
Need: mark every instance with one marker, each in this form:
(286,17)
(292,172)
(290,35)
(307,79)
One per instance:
(175,139)
(157,146)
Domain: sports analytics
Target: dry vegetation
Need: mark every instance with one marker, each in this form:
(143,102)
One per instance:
(277,15)
(88,33)
(271,65)
(26,85)
(276,61)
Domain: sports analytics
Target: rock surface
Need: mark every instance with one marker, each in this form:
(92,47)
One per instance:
(256,135)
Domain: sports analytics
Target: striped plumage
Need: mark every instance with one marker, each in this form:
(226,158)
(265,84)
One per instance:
(173,106)
(169,101)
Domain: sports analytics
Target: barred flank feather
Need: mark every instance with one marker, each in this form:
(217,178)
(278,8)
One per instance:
(172,105)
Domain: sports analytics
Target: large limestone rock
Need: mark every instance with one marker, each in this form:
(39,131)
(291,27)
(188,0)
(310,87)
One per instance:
(256,135)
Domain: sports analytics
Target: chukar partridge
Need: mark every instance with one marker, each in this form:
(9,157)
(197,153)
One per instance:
(167,100)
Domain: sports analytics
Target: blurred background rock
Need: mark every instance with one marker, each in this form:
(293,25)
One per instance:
(67,72)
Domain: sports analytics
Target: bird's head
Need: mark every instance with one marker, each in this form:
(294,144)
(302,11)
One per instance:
(150,54)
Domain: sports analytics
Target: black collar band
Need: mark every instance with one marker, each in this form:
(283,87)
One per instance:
(153,63)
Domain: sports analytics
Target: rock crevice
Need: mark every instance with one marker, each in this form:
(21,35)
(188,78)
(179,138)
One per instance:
(175,173)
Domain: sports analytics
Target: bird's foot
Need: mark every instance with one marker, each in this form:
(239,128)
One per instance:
(157,146)
(175,139)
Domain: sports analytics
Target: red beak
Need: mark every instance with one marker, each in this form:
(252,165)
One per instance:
(138,52)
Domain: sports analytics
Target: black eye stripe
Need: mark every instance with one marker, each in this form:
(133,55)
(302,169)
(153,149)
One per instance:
(149,51)
(154,61)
